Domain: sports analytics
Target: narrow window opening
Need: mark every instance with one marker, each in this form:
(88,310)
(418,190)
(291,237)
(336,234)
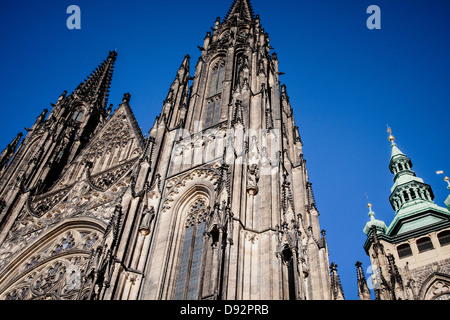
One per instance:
(444,238)
(405,195)
(404,251)
(77,115)
(424,244)
(288,261)
(214,96)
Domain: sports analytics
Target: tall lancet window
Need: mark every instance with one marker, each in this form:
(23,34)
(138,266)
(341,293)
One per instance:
(214,94)
(191,254)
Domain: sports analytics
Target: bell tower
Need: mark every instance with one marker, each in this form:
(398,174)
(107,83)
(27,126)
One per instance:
(224,180)
(410,257)
(214,204)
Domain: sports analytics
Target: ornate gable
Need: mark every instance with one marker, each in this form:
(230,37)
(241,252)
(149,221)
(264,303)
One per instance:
(89,189)
(110,153)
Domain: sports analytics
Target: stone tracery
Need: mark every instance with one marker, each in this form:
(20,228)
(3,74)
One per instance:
(54,272)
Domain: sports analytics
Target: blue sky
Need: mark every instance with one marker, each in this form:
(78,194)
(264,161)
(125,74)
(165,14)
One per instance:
(345,83)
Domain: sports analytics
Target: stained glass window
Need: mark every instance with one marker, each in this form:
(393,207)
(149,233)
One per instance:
(191,255)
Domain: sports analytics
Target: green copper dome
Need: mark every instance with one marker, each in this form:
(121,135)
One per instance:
(379,225)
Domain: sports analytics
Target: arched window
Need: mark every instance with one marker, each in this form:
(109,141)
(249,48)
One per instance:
(289,264)
(424,244)
(188,278)
(214,94)
(77,115)
(406,195)
(404,250)
(215,84)
(444,238)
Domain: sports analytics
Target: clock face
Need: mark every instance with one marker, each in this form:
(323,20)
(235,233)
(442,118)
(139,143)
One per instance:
(445,296)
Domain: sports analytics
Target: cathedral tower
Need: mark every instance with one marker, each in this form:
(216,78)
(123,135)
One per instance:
(234,212)
(411,257)
(215,203)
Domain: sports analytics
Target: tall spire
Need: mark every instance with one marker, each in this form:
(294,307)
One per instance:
(175,104)
(337,292)
(95,89)
(408,189)
(395,152)
(241,8)
(6,154)
(363,288)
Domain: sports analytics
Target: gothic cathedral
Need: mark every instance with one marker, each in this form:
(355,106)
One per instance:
(215,203)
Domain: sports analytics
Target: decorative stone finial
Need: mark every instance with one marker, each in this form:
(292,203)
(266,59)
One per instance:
(126,98)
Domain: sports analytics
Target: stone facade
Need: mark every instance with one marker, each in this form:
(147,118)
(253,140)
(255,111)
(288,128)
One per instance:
(215,203)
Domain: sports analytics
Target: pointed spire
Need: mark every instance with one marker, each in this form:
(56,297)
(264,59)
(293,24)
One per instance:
(408,189)
(310,196)
(399,163)
(9,151)
(363,288)
(336,285)
(95,89)
(185,63)
(241,8)
(175,104)
(182,75)
(395,152)
(396,281)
